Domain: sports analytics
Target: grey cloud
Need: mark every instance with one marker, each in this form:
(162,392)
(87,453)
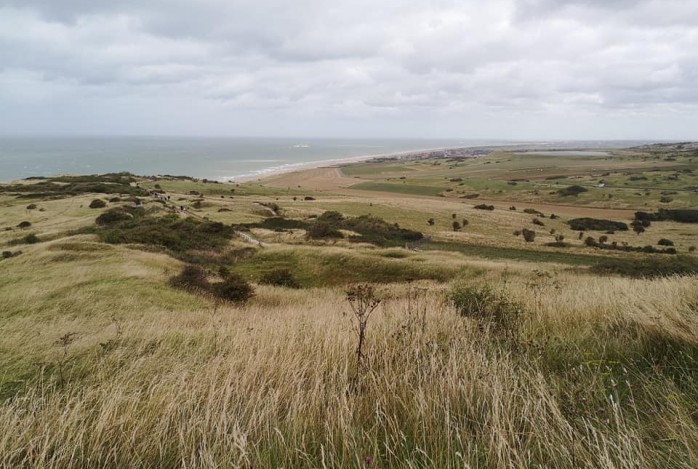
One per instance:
(334,63)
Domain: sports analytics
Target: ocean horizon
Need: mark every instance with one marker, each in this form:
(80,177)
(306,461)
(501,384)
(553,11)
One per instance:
(216,158)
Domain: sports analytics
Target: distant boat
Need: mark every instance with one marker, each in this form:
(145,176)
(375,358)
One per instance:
(301,145)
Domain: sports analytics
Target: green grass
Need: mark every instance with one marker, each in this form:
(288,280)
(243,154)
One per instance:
(322,266)
(398,188)
(528,255)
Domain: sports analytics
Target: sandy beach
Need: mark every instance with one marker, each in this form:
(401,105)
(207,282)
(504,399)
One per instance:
(267,174)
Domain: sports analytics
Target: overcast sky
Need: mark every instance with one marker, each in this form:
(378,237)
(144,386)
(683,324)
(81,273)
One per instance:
(509,69)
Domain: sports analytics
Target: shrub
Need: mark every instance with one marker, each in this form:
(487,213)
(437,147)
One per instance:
(590,241)
(431,222)
(331,216)
(113,216)
(638,227)
(572,191)
(322,230)
(536,221)
(307,197)
(233,288)
(595,224)
(666,199)
(24,224)
(465,222)
(603,239)
(98,203)
(488,307)
(529,235)
(517,233)
(456,225)
(649,268)
(192,278)
(484,207)
(691,249)
(31,206)
(7,254)
(512,208)
(279,278)
(665,242)
(680,215)
(533,211)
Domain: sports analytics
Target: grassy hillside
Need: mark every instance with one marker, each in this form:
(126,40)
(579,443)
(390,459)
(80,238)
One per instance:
(484,350)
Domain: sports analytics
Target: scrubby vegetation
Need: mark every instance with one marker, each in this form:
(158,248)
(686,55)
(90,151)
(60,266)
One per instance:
(681,216)
(638,268)
(280,278)
(153,349)
(232,287)
(572,191)
(168,231)
(594,224)
(67,186)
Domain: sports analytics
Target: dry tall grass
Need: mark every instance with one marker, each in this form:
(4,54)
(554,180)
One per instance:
(269,384)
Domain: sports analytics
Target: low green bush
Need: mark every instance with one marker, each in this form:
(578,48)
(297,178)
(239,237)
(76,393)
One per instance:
(595,224)
(98,203)
(192,278)
(487,306)
(233,288)
(279,278)
(572,191)
(639,268)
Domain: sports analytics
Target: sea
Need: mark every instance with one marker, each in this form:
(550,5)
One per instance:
(210,158)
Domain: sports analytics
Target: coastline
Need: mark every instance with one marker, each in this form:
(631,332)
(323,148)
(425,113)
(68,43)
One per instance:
(263,174)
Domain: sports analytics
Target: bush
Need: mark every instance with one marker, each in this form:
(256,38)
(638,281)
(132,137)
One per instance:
(533,211)
(603,239)
(456,225)
(648,268)
(572,191)
(98,203)
(24,224)
(595,224)
(31,206)
(7,254)
(431,222)
(512,208)
(307,197)
(536,221)
(331,216)
(488,307)
(113,216)
(680,215)
(233,288)
(322,230)
(192,278)
(484,207)
(665,242)
(529,235)
(279,278)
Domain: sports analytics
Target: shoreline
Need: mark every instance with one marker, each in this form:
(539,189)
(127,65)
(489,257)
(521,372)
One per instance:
(263,174)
